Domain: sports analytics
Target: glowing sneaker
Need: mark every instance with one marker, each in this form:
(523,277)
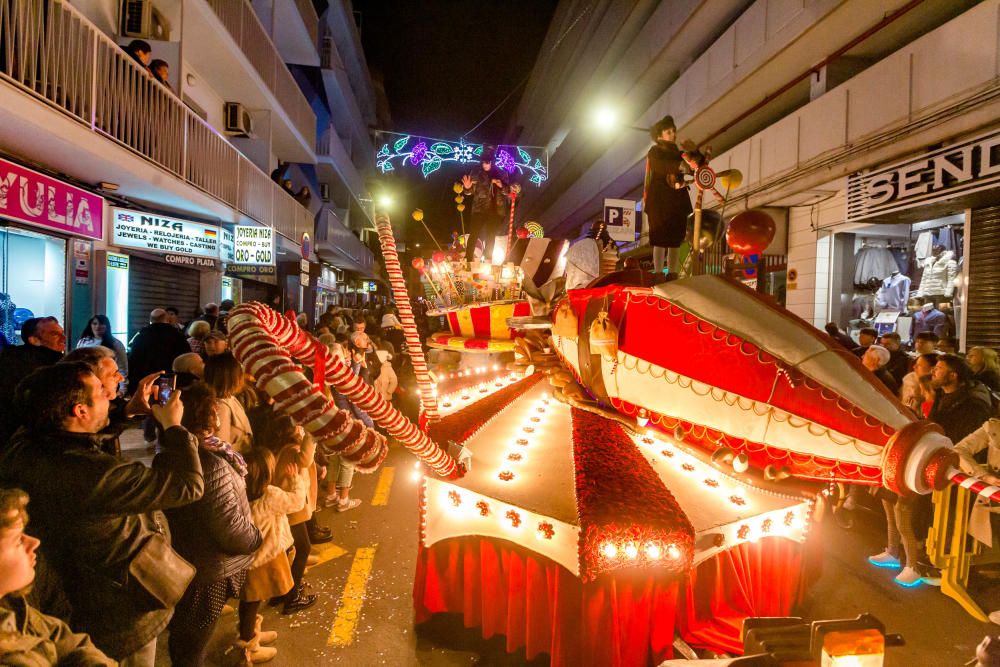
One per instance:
(884,559)
(909,577)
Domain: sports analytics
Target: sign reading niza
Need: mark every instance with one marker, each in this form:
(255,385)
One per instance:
(149,231)
(254,245)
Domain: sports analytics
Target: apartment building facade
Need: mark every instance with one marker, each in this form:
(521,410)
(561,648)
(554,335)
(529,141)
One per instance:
(121,194)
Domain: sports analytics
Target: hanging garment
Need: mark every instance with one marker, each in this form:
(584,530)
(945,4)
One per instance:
(946,238)
(925,243)
(873,262)
(893,294)
(939,275)
(902,256)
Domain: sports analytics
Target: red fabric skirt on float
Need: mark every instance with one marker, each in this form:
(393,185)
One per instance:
(623,618)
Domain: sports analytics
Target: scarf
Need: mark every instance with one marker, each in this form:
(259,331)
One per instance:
(226,451)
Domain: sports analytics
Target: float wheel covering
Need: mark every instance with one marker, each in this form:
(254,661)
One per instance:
(266,342)
(897,451)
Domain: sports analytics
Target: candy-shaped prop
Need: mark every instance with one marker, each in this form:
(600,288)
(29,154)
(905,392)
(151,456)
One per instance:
(750,232)
(984,490)
(265,343)
(398,284)
(715,365)
(262,341)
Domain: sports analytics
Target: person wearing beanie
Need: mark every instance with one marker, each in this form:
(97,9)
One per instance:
(875,359)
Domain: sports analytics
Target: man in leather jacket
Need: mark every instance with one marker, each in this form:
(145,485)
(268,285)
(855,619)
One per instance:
(93,511)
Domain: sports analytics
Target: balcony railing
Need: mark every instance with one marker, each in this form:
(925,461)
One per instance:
(51,51)
(246,30)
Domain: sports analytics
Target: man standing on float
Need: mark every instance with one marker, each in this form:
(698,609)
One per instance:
(665,202)
(489,195)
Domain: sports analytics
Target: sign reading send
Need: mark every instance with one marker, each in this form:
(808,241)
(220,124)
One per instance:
(148,231)
(254,245)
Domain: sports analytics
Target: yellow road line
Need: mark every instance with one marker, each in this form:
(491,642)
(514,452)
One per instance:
(342,632)
(384,486)
(326,552)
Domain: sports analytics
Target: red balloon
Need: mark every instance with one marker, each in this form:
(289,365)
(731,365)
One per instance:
(750,232)
(418,263)
(522,233)
(438,257)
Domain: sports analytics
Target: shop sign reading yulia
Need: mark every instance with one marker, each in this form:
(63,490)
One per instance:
(148,231)
(254,245)
(37,199)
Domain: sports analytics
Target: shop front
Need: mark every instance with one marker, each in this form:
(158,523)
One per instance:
(47,232)
(159,261)
(918,250)
(253,276)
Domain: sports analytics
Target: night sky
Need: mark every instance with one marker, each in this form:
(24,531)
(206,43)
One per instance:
(446,64)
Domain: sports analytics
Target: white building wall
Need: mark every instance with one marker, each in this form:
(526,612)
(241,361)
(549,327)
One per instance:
(809,253)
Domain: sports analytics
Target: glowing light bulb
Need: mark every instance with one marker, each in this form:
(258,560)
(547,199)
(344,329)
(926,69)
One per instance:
(673,552)
(631,551)
(609,550)
(653,551)
(416,465)
(642,418)
(416,476)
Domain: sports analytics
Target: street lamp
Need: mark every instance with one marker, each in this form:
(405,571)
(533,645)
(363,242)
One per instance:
(605,119)
(385,200)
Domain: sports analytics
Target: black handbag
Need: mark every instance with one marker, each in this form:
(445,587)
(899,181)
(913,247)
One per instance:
(158,575)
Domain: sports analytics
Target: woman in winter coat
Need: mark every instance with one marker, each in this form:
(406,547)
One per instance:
(225,375)
(216,534)
(970,451)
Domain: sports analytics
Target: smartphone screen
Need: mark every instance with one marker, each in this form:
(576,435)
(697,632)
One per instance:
(165,385)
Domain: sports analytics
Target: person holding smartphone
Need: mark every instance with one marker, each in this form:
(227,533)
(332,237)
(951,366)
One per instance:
(95,513)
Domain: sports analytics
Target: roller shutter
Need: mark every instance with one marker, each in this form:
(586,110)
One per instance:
(154,284)
(983,326)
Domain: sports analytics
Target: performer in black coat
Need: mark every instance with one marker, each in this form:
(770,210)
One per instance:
(665,202)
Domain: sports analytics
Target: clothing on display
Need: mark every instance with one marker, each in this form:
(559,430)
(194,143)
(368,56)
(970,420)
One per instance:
(894,293)
(924,245)
(930,319)
(873,261)
(863,307)
(938,278)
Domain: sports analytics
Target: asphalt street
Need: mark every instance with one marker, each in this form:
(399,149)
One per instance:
(365,612)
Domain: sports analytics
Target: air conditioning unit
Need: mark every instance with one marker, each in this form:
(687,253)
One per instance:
(324,191)
(238,121)
(141,19)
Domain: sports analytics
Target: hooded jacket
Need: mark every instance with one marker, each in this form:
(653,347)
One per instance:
(939,275)
(94,513)
(29,638)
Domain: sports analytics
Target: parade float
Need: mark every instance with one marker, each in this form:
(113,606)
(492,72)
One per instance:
(644,464)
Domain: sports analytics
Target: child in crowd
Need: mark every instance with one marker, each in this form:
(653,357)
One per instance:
(271,572)
(27,636)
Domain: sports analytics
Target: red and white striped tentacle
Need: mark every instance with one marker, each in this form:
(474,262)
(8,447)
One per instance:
(428,398)
(974,484)
(303,346)
(334,430)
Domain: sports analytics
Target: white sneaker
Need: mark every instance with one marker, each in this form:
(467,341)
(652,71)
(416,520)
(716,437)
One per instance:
(884,559)
(350,504)
(909,577)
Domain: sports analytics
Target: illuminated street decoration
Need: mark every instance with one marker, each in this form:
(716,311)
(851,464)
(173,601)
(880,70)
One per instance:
(429,155)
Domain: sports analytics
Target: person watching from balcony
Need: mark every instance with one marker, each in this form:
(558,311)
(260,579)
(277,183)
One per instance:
(141,52)
(278,175)
(304,196)
(287,186)
(161,72)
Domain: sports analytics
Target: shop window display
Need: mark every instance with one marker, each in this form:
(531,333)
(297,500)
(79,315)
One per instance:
(32,279)
(903,278)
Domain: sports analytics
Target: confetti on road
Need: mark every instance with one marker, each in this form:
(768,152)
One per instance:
(344,625)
